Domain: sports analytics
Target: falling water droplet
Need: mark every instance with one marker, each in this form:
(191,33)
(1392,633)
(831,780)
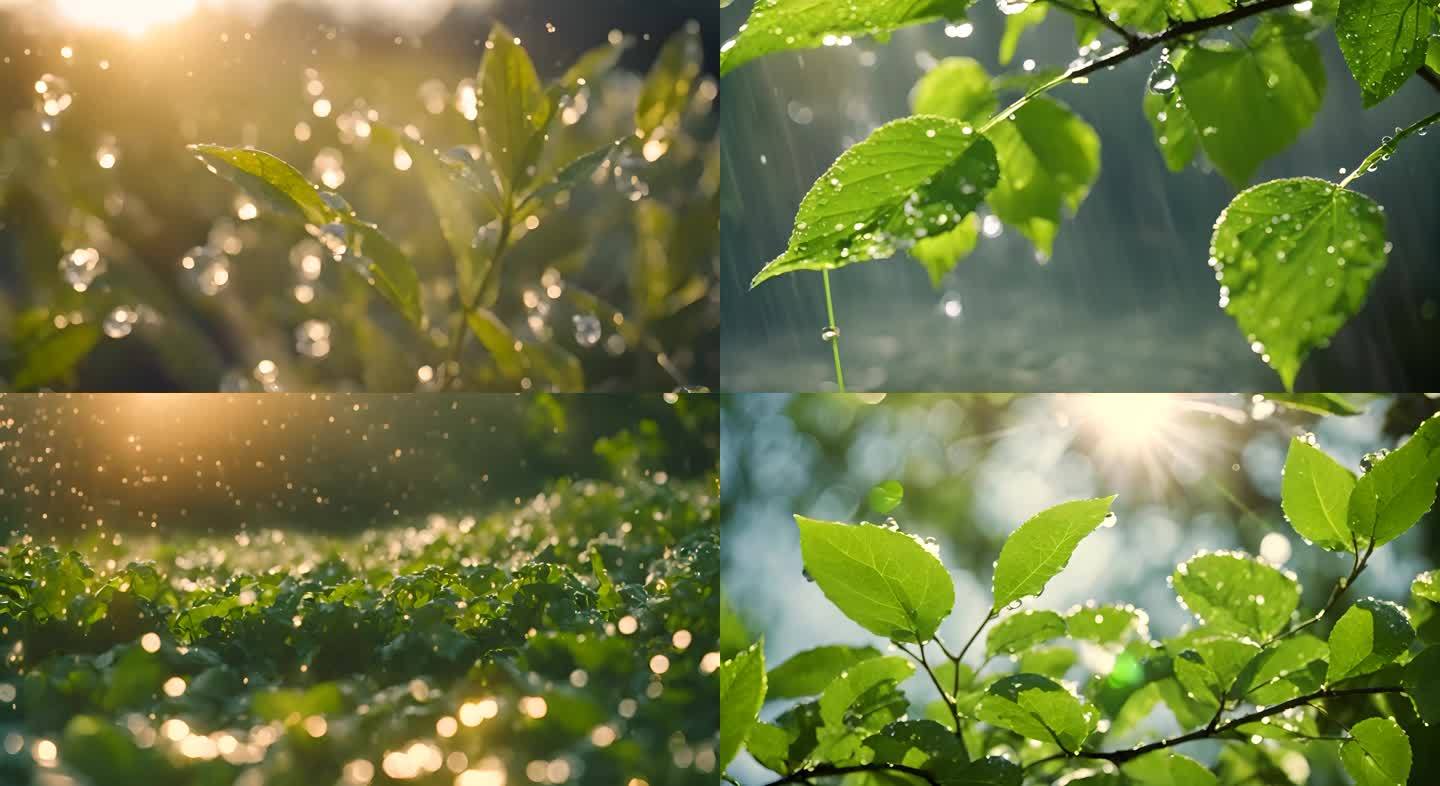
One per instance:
(81,267)
(950,305)
(1163,78)
(120,322)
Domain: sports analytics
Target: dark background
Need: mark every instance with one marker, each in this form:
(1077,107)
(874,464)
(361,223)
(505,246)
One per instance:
(1127,303)
(86,463)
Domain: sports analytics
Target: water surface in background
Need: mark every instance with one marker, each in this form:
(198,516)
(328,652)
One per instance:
(1126,303)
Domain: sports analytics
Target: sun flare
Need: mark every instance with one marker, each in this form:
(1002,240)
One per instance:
(132,18)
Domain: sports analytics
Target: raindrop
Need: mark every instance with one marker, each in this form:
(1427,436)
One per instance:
(120,322)
(587,329)
(81,267)
(829,333)
(950,305)
(1163,78)
(312,338)
(52,95)
(335,237)
(208,268)
(1012,7)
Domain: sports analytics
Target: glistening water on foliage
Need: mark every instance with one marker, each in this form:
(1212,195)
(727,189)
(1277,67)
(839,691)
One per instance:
(1244,90)
(566,634)
(1250,602)
(517,196)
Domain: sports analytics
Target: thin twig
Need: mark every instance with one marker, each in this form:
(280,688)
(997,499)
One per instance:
(823,770)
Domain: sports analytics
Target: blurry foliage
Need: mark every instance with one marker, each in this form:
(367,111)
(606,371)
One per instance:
(1294,258)
(1254,673)
(571,227)
(571,639)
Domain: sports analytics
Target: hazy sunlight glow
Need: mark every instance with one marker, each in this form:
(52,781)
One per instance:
(134,17)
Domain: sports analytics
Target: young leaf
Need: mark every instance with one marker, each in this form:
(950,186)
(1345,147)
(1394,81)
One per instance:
(386,268)
(808,673)
(1251,102)
(1315,495)
(1236,592)
(959,88)
(857,681)
(1377,753)
(576,172)
(667,87)
(1427,586)
(1107,625)
(1383,41)
(939,254)
(1302,247)
(1023,631)
(910,179)
(742,691)
(790,25)
(883,579)
(513,108)
(1049,157)
(1033,706)
(884,497)
(1041,548)
(1370,635)
(270,179)
(1399,488)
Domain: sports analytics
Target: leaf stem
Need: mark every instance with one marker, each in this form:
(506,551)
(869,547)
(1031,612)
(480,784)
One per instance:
(988,619)
(461,331)
(835,339)
(1387,147)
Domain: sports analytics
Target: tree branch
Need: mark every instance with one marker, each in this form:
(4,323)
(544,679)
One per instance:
(823,770)
(1122,756)
(1140,44)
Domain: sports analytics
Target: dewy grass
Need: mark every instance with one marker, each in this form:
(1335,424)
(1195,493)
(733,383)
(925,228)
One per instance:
(569,638)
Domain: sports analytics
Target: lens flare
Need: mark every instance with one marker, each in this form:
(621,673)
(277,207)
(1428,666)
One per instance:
(133,18)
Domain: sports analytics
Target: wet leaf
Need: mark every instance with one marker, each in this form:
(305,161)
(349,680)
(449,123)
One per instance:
(790,25)
(1295,259)
(1371,634)
(883,579)
(1034,707)
(809,672)
(742,691)
(1383,41)
(1049,158)
(1042,546)
(1315,495)
(1023,631)
(885,497)
(1235,592)
(1398,489)
(513,108)
(1378,753)
(908,180)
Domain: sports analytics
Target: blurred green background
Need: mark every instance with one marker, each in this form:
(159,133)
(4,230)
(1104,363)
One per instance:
(75,465)
(303,81)
(1192,473)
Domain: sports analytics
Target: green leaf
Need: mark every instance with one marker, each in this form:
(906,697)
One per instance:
(842,693)
(1108,625)
(910,179)
(883,579)
(667,88)
(1315,495)
(742,691)
(990,771)
(1169,769)
(386,268)
(790,25)
(1378,753)
(1034,707)
(577,172)
(1294,259)
(1317,403)
(1277,664)
(885,497)
(1052,662)
(497,339)
(958,88)
(1370,635)
(769,744)
(1023,631)
(1251,102)
(54,353)
(1042,546)
(913,743)
(270,179)
(1427,586)
(1015,27)
(808,673)
(513,108)
(1230,591)
(278,705)
(1421,681)
(939,254)
(1175,132)
(1383,41)
(1398,489)
(1198,679)
(1049,158)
